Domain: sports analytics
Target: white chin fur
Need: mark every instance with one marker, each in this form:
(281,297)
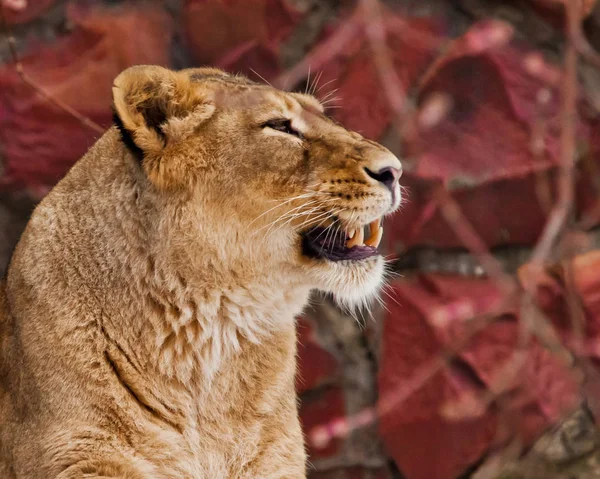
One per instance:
(353,284)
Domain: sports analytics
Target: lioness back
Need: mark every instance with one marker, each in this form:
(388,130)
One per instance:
(147,321)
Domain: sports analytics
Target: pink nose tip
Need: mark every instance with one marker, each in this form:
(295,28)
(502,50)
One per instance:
(387,176)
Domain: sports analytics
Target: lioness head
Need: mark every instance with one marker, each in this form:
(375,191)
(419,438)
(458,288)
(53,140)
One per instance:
(264,177)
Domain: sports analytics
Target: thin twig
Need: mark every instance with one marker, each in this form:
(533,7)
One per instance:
(559,216)
(376,34)
(27,80)
(322,53)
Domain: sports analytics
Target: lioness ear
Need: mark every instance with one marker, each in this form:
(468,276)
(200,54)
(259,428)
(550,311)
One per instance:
(157,107)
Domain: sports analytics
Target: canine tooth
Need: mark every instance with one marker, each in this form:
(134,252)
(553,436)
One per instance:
(375,238)
(374,226)
(351,233)
(357,239)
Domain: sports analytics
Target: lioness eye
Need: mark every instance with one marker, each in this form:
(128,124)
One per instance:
(284,125)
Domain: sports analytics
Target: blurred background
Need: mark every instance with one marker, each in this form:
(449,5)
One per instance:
(482,358)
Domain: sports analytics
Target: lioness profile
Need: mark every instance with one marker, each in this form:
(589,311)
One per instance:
(147,319)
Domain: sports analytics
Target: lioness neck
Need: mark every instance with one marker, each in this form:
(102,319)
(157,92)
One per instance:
(184,315)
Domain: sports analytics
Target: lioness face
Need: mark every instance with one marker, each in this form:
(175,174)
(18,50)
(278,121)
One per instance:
(299,189)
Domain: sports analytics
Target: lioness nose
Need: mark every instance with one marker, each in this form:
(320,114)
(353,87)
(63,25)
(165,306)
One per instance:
(388,176)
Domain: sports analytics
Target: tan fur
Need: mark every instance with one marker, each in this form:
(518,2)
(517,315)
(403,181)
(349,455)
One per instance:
(147,321)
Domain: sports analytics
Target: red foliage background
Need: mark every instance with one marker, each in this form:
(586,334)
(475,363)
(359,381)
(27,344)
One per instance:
(500,147)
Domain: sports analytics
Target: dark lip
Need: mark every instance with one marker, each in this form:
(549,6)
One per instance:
(320,243)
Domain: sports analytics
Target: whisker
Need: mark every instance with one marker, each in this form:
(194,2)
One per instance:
(329,230)
(260,76)
(294,213)
(325,84)
(307,190)
(329,100)
(324,214)
(298,214)
(316,82)
(270,225)
(350,312)
(368,312)
(325,230)
(382,303)
(351,216)
(340,233)
(383,290)
(299,210)
(329,94)
(335,233)
(390,273)
(323,221)
(284,217)
(305,195)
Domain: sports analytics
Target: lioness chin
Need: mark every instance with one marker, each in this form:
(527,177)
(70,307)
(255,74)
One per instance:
(147,319)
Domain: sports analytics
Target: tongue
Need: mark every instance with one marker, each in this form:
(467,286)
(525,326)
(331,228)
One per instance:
(353,254)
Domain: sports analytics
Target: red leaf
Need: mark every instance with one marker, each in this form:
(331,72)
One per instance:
(215,29)
(40,142)
(481,151)
(318,409)
(316,366)
(355,472)
(552,300)
(412,43)
(250,56)
(447,418)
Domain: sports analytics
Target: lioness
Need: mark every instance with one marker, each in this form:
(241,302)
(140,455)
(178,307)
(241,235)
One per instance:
(147,320)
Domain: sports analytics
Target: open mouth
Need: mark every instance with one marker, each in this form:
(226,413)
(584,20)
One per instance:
(336,244)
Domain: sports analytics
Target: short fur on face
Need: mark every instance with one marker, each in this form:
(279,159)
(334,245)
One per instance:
(147,322)
(203,132)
